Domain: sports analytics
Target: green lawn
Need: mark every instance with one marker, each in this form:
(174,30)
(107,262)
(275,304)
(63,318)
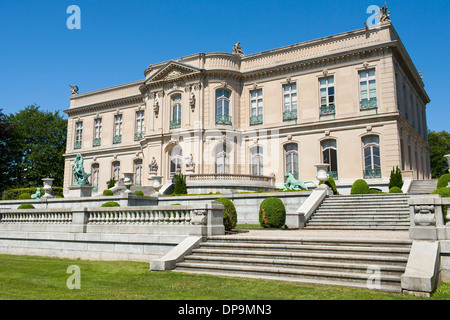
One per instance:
(31,277)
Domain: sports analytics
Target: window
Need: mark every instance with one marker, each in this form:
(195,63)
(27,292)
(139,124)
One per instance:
(372,162)
(368,89)
(78,135)
(327,105)
(115,174)
(97,132)
(223,107)
(256,107)
(222,159)
(329,156)
(290,101)
(175,160)
(256,161)
(117,129)
(176,112)
(291,159)
(138,172)
(95,173)
(140,126)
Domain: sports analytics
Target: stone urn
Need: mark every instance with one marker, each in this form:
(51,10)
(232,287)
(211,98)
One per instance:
(48,182)
(322,174)
(448,161)
(128,180)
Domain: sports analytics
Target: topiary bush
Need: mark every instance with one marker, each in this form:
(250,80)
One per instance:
(272,213)
(330,182)
(443,181)
(108,192)
(139,193)
(396,179)
(180,184)
(229,213)
(25,196)
(111,204)
(395,190)
(26,206)
(360,187)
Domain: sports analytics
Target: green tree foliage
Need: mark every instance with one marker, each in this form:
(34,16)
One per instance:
(39,142)
(180,184)
(440,146)
(396,179)
(6,151)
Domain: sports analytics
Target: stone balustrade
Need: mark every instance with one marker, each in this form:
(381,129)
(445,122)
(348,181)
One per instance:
(225,176)
(29,216)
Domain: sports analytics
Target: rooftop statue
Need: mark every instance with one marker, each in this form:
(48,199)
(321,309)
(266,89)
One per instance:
(74,89)
(237,49)
(80,176)
(384,15)
(294,184)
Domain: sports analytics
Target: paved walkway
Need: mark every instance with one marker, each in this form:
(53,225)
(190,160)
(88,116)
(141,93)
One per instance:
(328,234)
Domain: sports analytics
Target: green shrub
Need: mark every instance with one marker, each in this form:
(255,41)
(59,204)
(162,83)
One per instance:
(139,193)
(396,179)
(25,196)
(443,181)
(272,213)
(445,193)
(111,204)
(375,191)
(26,206)
(229,213)
(330,182)
(395,190)
(180,184)
(111,183)
(14,194)
(108,192)
(360,187)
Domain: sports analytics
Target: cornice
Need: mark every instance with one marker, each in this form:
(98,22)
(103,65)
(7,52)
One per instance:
(105,105)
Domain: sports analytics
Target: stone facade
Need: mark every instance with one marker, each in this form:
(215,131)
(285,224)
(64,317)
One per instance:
(354,100)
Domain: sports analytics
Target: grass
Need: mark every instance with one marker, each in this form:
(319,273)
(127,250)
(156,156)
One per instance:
(44,278)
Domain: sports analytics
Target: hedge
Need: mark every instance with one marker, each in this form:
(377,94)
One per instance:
(26,206)
(14,194)
(229,213)
(443,181)
(111,204)
(108,192)
(360,187)
(330,182)
(272,213)
(395,190)
(139,193)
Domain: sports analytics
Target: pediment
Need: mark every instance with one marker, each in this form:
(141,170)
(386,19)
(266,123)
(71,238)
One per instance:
(173,71)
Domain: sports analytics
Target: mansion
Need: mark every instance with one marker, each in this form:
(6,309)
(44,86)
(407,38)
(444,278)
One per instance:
(242,122)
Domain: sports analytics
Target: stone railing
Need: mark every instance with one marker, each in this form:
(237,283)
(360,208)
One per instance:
(225,176)
(199,220)
(428,221)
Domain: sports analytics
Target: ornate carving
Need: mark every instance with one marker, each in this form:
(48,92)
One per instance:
(74,89)
(384,15)
(153,166)
(237,49)
(190,165)
(199,217)
(80,176)
(424,216)
(192,101)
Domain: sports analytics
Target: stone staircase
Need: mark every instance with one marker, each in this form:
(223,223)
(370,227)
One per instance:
(328,261)
(423,186)
(362,212)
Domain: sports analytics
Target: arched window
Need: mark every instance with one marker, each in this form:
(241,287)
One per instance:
(256,161)
(115,170)
(176,112)
(372,160)
(291,159)
(138,172)
(222,159)
(329,155)
(223,107)
(175,160)
(95,173)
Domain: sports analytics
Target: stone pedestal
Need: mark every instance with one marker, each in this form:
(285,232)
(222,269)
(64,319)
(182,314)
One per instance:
(80,191)
(48,188)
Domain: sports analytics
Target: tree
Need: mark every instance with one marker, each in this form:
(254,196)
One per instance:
(396,179)
(39,139)
(6,151)
(440,146)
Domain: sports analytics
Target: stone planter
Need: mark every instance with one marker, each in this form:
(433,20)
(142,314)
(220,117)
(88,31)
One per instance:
(48,182)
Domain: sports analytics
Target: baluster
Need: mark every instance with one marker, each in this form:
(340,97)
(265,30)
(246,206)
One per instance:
(177,217)
(160,217)
(166,217)
(151,217)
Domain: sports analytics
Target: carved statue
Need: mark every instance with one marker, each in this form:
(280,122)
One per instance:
(37,195)
(80,176)
(153,166)
(74,89)
(237,49)
(294,184)
(192,100)
(384,15)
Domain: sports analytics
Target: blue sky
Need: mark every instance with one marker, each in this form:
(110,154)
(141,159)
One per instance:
(40,56)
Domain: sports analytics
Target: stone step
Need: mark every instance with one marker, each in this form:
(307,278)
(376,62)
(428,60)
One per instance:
(359,227)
